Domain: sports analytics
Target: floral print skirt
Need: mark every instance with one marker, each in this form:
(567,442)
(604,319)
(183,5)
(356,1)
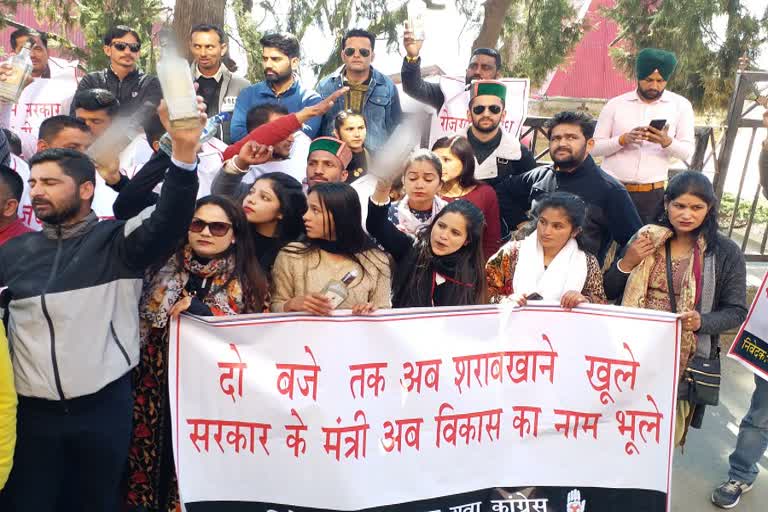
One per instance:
(151,472)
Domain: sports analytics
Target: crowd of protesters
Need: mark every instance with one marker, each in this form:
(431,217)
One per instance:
(95,259)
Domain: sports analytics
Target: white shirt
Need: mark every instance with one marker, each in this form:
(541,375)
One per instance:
(643,162)
(43,98)
(295,165)
(25,212)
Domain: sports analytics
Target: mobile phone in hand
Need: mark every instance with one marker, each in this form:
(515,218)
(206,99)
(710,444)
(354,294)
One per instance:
(659,124)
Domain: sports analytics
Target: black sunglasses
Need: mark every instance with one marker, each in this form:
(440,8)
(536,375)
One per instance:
(217,229)
(479,109)
(365,52)
(134,47)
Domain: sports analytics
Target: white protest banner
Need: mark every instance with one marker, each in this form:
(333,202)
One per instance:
(750,347)
(452,116)
(460,409)
(43,98)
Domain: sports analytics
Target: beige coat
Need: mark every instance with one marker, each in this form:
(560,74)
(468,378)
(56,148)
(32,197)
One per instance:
(294,275)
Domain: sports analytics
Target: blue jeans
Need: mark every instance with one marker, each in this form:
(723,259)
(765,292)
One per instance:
(753,436)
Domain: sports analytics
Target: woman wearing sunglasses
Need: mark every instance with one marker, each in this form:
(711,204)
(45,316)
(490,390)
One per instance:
(350,127)
(335,249)
(459,182)
(213,272)
(549,264)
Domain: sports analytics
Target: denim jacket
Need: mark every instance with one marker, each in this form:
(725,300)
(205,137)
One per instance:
(381,106)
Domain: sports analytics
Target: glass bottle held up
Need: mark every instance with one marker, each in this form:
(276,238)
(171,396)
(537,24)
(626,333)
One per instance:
(178,88)
(21,68)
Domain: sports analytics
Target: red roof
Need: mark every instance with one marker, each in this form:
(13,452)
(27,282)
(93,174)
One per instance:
(26,15)
(589,72)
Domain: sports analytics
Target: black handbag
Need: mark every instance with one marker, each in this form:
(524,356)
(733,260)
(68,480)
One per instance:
(702,374)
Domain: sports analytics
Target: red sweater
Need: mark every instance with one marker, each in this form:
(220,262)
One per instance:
(270,134)
(484,197)
(13,230)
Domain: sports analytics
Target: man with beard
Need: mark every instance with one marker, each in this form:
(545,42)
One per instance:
(611,215)
(281,85)
(72,298)
(485,64)
(497,154)
(132,87)
(639,132)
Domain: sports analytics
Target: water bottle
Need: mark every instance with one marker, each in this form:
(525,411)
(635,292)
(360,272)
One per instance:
(178,88)
(209,132)
(21,68)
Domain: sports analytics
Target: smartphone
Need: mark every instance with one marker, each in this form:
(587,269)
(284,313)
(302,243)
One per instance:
(659,124)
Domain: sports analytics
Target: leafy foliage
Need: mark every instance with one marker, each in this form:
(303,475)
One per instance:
(707,63)
(538,36)
(94,18)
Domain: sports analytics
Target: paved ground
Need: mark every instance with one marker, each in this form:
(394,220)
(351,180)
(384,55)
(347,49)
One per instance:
(704,464)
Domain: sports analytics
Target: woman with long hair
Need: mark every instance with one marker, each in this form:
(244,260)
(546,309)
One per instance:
(682,264)
(459,182)
(442,264)
(420,202)
(350,127)
(213,272)
(335,249)
(549,264)
(274,207)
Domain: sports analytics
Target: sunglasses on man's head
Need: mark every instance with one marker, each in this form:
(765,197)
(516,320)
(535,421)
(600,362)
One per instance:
(479,109)
(134,47)
(365,52)
(216,228)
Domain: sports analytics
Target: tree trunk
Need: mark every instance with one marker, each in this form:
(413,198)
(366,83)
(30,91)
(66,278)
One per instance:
(188,13)
(493,21)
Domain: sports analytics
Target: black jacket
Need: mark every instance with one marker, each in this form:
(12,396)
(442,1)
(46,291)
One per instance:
(136,194)
(136,89)
(73,293)
(415,86)
(611,214)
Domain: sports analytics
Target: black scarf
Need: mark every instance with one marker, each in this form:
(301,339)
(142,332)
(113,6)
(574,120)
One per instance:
(266,250)
(424,291)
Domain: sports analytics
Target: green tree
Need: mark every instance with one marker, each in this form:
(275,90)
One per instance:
(707,62)
(94,17)
(538,36)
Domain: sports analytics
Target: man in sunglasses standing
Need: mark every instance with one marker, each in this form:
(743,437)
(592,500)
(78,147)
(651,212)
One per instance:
(131,86)
(371,93)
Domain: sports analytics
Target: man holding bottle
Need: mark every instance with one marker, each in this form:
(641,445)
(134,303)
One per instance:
(73,371)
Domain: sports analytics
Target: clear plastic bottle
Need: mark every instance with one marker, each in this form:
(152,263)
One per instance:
(178,88)
(21,68)
(336,291)
(107,148)
(417,11)
(209,132)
